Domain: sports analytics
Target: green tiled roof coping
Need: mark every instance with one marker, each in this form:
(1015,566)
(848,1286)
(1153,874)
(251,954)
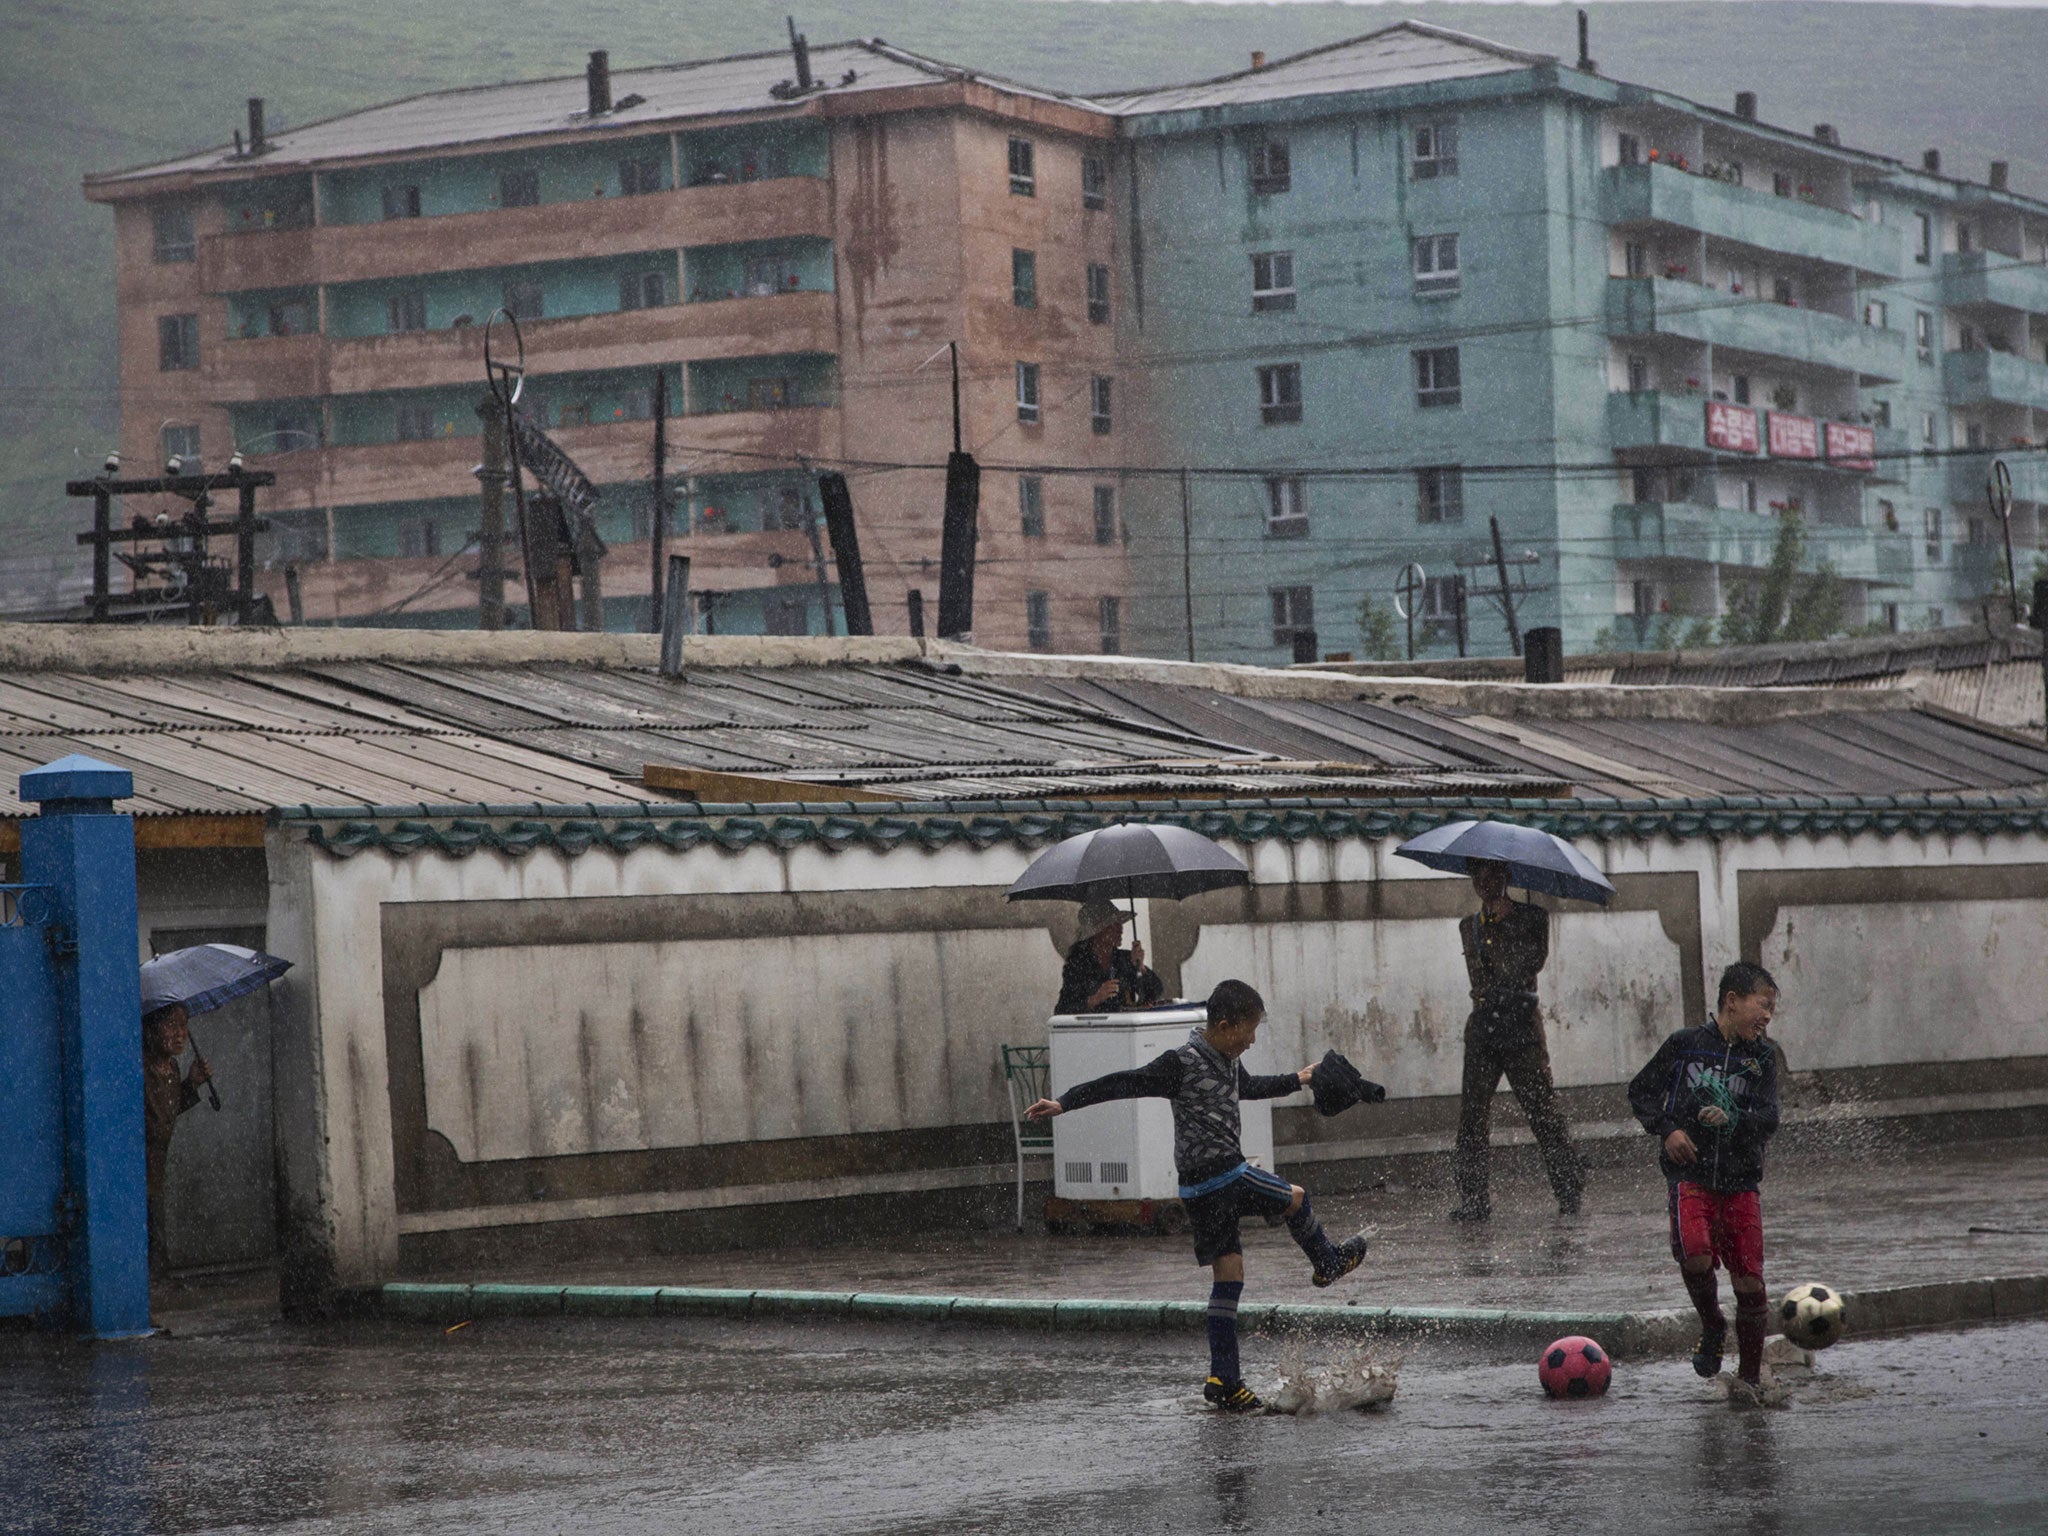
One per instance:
(458,830)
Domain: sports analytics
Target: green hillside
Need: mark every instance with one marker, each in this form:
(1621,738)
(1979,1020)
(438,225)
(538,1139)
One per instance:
(92,85)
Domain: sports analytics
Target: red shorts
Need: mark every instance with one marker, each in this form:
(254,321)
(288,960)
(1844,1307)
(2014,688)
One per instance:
(1728,1228)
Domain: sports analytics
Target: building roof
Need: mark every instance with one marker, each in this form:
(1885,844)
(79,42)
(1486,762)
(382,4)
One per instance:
(222,723)
(1408,53)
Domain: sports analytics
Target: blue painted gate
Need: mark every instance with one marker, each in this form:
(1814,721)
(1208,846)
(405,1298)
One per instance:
(32,1215)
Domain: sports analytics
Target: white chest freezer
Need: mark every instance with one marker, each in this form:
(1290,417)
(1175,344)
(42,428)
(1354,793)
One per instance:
(1124,1150)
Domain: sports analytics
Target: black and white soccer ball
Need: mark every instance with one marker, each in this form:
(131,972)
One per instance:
(1812,1316)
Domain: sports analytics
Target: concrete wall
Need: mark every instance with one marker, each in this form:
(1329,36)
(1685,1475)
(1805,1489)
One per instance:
(481,1054)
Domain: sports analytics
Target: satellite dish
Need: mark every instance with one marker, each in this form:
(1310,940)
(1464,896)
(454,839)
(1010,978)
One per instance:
(1407,586)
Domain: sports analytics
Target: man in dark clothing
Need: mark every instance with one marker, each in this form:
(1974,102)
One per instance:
(1710,1097)
(1506,944)
(1099,977)
(166,1094)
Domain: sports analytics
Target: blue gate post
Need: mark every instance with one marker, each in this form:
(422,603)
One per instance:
(83,851)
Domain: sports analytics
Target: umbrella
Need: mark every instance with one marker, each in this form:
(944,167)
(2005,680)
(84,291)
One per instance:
(1129,859)
(203,978)
(1536,861)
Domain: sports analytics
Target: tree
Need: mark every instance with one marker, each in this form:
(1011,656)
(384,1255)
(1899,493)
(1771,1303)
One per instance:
(1785,605)
(1377,640)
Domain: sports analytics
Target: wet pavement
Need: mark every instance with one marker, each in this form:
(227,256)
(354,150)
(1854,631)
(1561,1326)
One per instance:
(1869,1209)
(515,1426)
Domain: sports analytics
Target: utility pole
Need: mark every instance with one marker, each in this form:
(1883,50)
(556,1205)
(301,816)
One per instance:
(491,476)
(818,558)
(953,349)
(1507,601)
(1187,565)
(1458,597)
(658,524)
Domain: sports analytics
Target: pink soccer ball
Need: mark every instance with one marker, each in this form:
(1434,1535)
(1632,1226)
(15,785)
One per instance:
(1574,1367)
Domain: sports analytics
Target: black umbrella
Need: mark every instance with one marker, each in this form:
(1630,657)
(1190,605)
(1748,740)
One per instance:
(1130,859)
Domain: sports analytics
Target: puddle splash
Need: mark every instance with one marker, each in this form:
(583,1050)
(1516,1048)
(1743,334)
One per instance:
(1361,1380)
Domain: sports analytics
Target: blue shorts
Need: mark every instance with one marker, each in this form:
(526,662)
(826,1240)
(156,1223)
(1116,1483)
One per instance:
(1213,1217)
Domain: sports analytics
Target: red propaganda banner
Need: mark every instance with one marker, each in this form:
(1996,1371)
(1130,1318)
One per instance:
(1732,427)
(1794,437)
(1851,447)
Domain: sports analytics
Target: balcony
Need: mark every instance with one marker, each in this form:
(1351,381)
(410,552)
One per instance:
(516,237)
(608,454)
(1972,378)
(1873,557)
(1663,193)
(1974,278)
(780,324)
(266,368)
(1643,421)
(1687,532)
(2028,468)
(1641,306)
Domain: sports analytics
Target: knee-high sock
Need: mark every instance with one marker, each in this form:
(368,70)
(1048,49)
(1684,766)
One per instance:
(1705,1290)
(1752,1314)
(1314,1241)
(1223,1299)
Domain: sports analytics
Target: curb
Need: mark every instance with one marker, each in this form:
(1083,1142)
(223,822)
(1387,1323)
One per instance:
(1627,1335)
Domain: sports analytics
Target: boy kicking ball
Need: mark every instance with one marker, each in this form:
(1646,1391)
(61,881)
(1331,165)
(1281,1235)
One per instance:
(1205,1080)
(1710,1096)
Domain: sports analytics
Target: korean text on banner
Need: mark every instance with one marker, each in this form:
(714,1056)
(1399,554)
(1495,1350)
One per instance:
(1733,427)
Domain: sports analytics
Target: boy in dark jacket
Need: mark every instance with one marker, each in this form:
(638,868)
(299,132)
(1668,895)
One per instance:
(1205,1080)
(1710,1097)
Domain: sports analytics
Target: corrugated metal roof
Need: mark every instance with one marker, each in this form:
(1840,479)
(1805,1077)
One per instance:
(1409,53)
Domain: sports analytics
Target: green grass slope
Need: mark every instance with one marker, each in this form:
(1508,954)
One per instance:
(93,85)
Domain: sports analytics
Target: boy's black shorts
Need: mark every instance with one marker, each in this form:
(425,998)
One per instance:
(1213,1217)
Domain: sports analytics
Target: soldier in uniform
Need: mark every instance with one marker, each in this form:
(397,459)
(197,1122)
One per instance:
(1506,944)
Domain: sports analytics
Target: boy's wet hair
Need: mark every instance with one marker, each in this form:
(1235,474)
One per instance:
(1233,1001)
(1745,978)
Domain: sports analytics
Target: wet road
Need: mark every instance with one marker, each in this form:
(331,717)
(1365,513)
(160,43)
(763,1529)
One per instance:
(516,1427)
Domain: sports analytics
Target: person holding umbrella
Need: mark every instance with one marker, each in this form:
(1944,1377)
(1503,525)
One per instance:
(1506,945)
(1099,977)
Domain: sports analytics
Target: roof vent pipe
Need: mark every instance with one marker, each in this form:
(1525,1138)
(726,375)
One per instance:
(800,48)
(1258,58)
(1585,55)
(598,76)
(1999,174)
(1543,655)
(1930,161)
(257,143)
(1745,105)
(1825,132)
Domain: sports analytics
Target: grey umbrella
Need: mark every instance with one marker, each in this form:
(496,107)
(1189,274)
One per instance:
(1536,860)
(204,977)
(1130,859)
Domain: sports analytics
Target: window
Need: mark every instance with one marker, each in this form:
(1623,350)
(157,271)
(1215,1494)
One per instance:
(1927,426)
(1964,240)
(415,422)
(1280,394)
(1100,418)
(1781,183)
(1966,337)
(405,312)
(1435,151)
(636,403)
(783,510)
(1749,499)
(525,301)
(1973,434)
(1741,383)
(518,189)
(1643,599)
(417,537)
(1038,621)
(181,447)
(402,202)
(173,229)
(1106,530)
(1628,149)
(1891,618)
(1436,264)
(1440,494)
(770,394)
(1286,507)
(1022,181)
(642,290)
(1638,373)
(640,175)
(1888,515)
(1781,291)
(767,276)
(177,342)
(1436,378)
(1874,314)
(1031,506)
(787,616)
(1270,171)
(1098,294)
(1923,238)
(1027,392)
(1110,615)
(292,317)
(1931,522)
(1272,281)
(1294,615)
(1024,279)
(1923,335)
(1935,618)
(1880,413)
(1094,182)
(1439,599)
(1635,259)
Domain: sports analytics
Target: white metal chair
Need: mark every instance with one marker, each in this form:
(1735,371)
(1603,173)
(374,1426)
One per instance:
(1027,1074)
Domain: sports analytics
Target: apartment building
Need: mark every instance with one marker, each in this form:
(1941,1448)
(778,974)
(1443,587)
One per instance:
(1235,355)
(1417,283)
(790,242)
